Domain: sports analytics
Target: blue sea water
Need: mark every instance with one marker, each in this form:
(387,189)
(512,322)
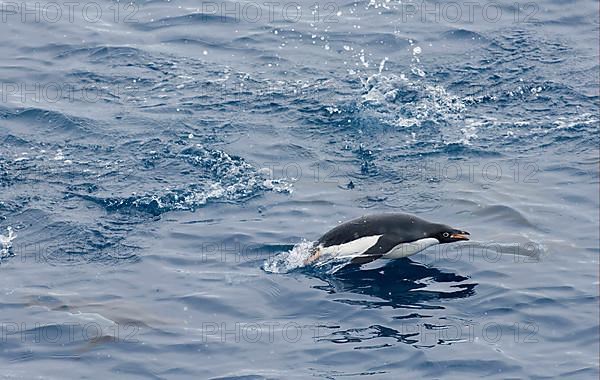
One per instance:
(165,164)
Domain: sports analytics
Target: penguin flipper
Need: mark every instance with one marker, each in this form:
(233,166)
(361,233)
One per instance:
(380,248)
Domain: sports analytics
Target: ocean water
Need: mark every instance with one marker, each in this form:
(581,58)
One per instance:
(165,164)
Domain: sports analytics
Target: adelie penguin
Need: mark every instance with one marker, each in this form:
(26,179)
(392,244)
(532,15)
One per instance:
(387,236)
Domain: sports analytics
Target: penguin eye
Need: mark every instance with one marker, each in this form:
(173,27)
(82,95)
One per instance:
(445,234)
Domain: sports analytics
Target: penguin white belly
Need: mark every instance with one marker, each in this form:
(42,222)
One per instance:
(351,249)
(409,249)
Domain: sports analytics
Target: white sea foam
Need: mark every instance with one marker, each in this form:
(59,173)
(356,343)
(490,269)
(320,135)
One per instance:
(6,242)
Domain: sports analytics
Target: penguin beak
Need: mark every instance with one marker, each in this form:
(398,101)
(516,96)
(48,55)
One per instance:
(460,235)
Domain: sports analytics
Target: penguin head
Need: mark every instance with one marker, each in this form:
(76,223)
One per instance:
(446,234)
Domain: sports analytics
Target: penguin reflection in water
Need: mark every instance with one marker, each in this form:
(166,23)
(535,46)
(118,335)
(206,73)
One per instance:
(382,236)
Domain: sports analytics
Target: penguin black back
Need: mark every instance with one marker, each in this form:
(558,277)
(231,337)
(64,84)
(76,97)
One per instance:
(392,236)
(397,226)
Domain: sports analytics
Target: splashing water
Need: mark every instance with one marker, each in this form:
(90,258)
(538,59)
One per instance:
(286,262)
(6,242)
(402,102)
(204,175)
(296,258)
